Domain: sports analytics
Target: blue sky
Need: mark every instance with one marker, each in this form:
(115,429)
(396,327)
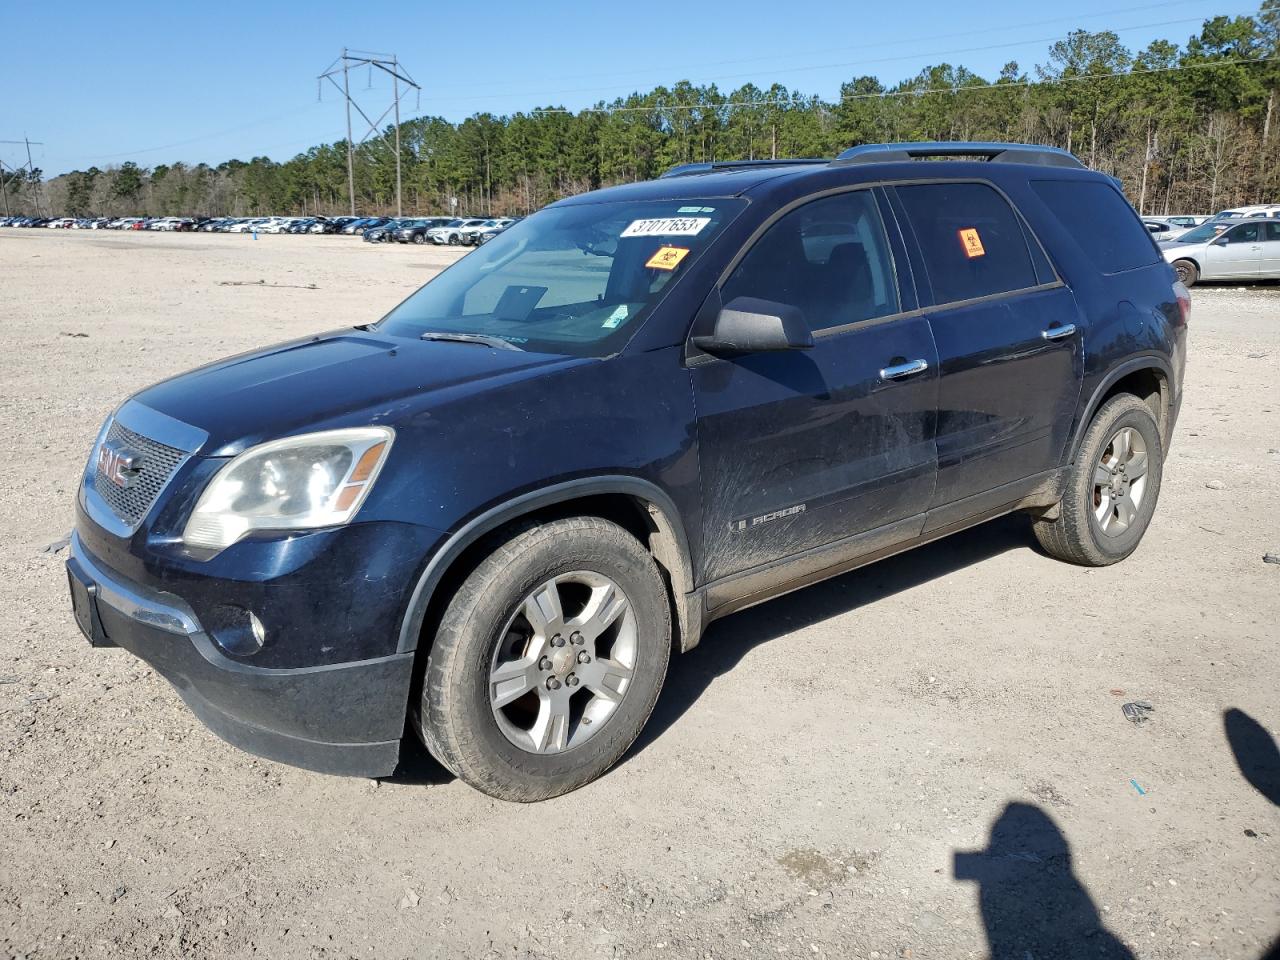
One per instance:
(154,83)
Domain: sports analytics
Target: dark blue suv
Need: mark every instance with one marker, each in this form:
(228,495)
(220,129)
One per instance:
(490,515)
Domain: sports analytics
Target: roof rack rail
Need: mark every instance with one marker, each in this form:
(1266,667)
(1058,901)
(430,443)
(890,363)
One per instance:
(688,169)
(993,152)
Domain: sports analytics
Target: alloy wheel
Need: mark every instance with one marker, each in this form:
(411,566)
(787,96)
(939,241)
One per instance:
(1120,481)
(564,662)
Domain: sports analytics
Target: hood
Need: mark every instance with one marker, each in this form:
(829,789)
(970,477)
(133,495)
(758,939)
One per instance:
(345,378)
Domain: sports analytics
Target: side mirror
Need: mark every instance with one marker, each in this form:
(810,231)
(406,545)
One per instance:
(1220,241)
(749,325)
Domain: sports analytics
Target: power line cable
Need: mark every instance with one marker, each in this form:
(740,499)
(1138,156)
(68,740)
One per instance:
(648,71)
(856,63)
(890,94)
(206,136)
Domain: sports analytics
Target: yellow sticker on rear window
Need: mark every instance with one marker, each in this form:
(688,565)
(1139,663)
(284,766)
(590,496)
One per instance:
(971,242)
(667,258)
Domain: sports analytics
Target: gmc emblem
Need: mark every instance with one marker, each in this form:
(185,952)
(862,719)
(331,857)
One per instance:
(119,463)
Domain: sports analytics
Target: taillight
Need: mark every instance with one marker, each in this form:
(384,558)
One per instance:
(1184,299)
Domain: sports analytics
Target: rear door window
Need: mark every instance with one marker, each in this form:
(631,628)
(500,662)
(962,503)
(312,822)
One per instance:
(1101,221)
(1273,232)
(972,242)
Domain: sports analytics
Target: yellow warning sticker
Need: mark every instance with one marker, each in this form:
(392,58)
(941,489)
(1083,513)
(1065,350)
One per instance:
(667,258)
(971,242)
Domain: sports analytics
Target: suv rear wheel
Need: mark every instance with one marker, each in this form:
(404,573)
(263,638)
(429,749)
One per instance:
(548,660)
(1112,487)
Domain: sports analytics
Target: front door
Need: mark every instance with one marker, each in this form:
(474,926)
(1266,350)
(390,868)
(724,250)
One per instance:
(1235,254)
(1008,337)
(806,448)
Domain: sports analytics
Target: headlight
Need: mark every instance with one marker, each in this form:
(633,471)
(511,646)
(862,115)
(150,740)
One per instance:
(303,482)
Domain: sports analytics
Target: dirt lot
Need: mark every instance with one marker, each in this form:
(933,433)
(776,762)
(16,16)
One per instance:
(925,759)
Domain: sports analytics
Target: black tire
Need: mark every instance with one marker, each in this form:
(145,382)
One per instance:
(454,240)
(1076,535)
(1187,272)
(457,721)
(419,238)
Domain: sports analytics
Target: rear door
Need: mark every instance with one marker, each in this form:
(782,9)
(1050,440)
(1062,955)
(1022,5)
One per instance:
(1008,341)
(1271,251)
(803,448)
(1236,254)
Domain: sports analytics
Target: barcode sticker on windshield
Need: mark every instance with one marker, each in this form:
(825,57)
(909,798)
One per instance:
(667,227)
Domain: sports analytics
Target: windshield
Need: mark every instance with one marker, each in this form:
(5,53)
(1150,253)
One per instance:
(574,280)
(1203,233)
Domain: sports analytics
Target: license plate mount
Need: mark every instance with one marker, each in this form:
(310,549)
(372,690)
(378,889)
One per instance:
(84,605)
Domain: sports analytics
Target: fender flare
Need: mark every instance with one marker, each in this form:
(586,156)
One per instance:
(667,516)
(1148,361)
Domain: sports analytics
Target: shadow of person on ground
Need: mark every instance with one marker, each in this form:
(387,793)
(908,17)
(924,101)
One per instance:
(1032,903)
(1258,758)
(1255,752)
(727,641)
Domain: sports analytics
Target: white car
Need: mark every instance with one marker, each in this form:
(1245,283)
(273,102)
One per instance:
(1236,250)
(168,224)
(474,235)
(61,223)
(278,224)
(1162,229)
(248,226)
(451,233)
(1241,213)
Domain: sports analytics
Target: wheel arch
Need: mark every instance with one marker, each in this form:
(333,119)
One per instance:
(640,507)
(1147,377)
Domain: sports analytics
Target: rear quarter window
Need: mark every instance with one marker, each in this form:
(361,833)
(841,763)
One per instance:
(1101,221)
(972,242)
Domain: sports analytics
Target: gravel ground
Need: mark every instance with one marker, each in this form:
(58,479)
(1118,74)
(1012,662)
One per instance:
(923,759)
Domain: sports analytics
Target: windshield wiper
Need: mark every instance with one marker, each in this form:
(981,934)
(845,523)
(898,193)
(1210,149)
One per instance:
(482,339)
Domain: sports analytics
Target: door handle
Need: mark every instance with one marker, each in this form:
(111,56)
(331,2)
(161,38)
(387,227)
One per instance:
(898,371)
(1058,333)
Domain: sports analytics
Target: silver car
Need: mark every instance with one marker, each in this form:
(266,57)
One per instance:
(1240,250)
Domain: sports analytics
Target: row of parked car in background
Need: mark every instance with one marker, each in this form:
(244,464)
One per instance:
(442,231)
(1170,228)
(1241,243)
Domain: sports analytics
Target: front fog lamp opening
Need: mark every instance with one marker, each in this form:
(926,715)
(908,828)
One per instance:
(304,482)
(236,630)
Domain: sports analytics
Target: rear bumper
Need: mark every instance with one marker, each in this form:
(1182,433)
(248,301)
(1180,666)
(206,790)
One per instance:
(345,718)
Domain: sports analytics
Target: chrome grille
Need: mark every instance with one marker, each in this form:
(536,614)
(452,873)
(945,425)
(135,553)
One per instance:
(156,466)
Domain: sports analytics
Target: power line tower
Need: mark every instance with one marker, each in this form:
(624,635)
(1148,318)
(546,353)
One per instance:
(388,63)
(30,167)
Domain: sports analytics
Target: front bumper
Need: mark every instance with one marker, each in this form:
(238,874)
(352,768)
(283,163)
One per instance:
(344,718)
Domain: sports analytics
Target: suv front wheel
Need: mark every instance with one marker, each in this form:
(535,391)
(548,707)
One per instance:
(1111,489)
(548,660)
